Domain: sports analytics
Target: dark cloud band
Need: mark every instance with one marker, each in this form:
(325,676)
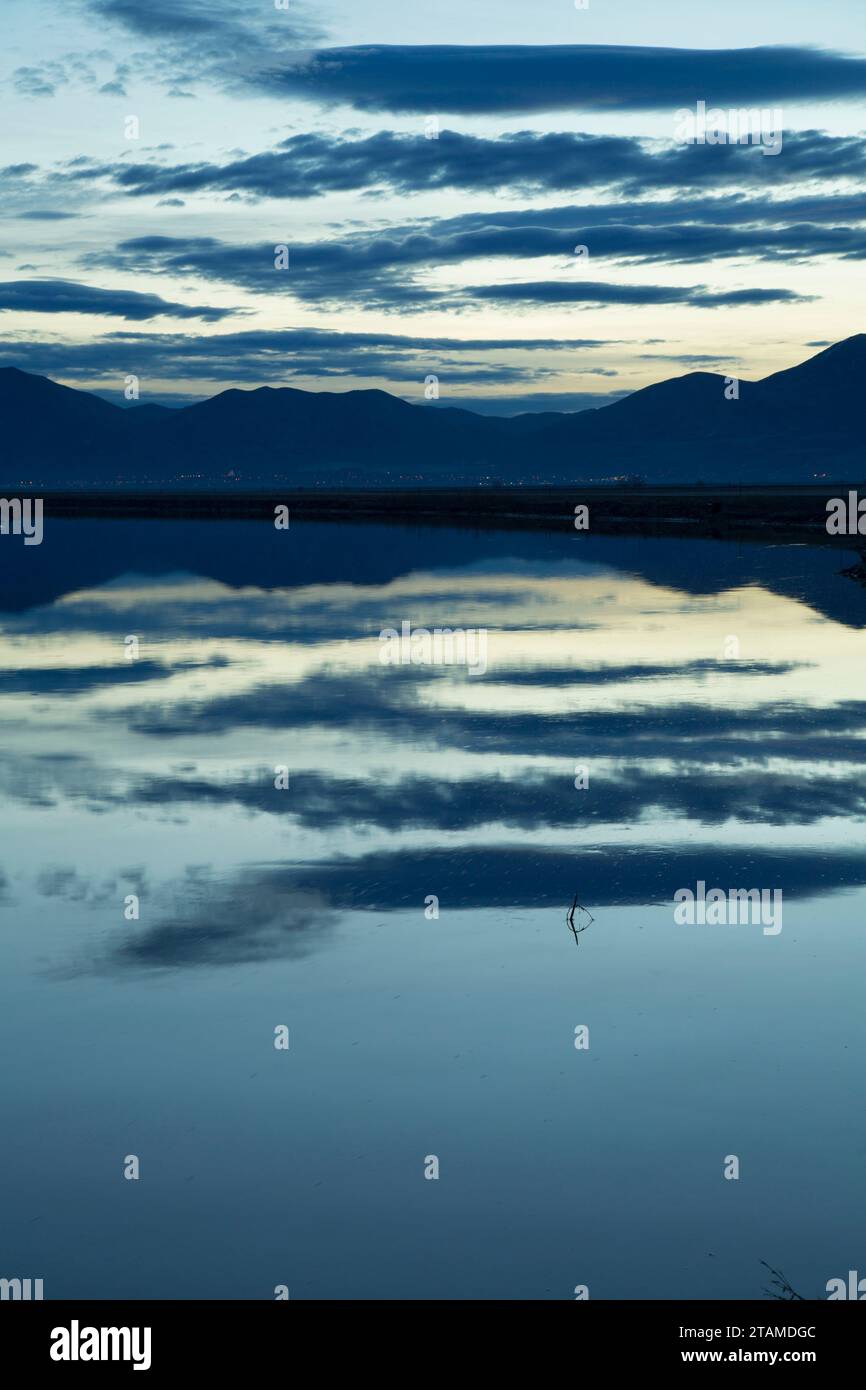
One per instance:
(525,79)
(379,270)
(309,165)
(71,297)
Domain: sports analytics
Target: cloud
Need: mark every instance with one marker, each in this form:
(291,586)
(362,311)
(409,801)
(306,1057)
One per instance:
(625,794)
(514,876)
(166,18)
(62,881)
(281,355)
(39,81)
(71,297)
(371,269)
(684,788)
(258,915)
(590,77)
(45,215)
(43,79)
(73,680)
(227,43)
(586,292)
(627,241)
(310,164)
(728,209)
(202,918)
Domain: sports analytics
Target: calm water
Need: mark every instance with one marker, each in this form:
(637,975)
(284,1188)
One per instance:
(713,693)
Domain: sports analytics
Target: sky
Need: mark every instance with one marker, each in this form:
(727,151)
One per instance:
(504,197)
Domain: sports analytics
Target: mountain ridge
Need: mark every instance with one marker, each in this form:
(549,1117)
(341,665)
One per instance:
(796,425)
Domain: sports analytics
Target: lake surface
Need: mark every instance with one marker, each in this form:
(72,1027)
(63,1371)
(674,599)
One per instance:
(712,696)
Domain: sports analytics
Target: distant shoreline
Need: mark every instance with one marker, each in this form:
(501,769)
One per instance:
(797,511)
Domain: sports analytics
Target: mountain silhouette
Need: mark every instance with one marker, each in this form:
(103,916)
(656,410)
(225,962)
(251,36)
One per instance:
(795,426)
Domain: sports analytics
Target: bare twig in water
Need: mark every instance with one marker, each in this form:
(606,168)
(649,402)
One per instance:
(570,919)
(785,1294)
